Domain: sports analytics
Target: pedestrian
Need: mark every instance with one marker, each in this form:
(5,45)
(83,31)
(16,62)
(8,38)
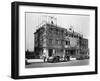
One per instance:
(44,57)
(68,58)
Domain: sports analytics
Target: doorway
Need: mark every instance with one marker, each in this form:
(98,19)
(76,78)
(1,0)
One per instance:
(72,52)
(50,52)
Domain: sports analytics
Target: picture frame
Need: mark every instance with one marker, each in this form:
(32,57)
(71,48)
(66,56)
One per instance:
(23,14)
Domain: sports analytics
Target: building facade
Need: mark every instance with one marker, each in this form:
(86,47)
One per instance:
(52,40)
(84,50)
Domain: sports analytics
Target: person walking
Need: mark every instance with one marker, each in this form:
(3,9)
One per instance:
(68,58)
(44,57)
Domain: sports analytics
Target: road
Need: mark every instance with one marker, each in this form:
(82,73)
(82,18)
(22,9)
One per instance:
(59,64)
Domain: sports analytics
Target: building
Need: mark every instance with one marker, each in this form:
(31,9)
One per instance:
(84,50)
(52,40)
(49,40)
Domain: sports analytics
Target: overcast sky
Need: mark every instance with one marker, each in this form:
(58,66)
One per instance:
(80,24)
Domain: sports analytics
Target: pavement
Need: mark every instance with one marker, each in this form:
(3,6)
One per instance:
(34,60)
(58,64)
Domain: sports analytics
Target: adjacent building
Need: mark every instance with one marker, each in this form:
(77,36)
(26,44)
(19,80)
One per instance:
(84,50)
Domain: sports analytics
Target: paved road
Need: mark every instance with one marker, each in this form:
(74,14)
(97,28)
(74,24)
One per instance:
(70,63)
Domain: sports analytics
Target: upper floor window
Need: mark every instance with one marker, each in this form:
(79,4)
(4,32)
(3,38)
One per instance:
(57,42)
(62,41)
(50,41)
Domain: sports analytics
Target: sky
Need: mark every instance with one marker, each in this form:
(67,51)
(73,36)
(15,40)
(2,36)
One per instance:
(79,23)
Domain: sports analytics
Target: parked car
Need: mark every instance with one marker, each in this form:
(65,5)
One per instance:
(53,59)
(83,57)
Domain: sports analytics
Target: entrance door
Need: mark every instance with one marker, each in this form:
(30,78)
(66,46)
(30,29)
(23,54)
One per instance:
(72,52)
(50,52)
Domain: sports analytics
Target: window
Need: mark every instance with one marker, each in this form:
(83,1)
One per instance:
(50,30)
(62,42)
(57,42)
(50,41)
(66,33)
(67,42)
(56,31)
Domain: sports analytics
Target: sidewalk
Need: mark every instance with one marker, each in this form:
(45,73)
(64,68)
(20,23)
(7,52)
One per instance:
(34,60)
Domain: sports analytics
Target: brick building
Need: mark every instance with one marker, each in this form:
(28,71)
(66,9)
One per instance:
(52,40)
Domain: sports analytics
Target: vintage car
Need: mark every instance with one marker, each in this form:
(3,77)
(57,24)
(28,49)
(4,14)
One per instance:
(53,59)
